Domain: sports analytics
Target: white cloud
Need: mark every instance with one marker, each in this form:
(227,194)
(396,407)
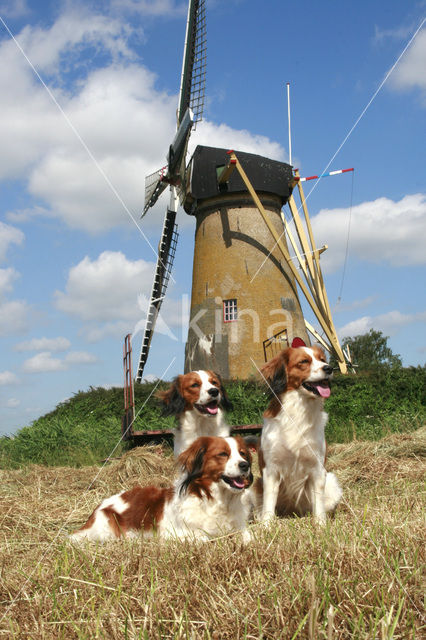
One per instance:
(151,7)
(127,126)
(53,48)
(355,304)
(12,403)
(105,289)
(13,313)
(100,331)
(8,235)
(7,277)
(222,136)
(13,8)
(44,344)
(400,33)
(381,231)
(8,377)
(125,121)
(23,215)
(44,362)
(14,317)
(31,124)
(411,71)
(80,357)
(110,295)
(389,323)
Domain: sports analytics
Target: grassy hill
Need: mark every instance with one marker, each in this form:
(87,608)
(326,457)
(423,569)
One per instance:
(87,428)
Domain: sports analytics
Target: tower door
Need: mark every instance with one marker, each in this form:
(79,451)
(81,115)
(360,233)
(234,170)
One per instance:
(272,346)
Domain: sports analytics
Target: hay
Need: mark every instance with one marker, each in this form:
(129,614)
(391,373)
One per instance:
(360,576)
(396,456)
(142,465)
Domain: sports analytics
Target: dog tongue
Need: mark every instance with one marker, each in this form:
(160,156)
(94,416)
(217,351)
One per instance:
(323,391)
(237,482)
(212,409)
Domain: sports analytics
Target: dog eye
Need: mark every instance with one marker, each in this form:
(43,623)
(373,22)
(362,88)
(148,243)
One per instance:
(304,362)
(196,384)
(243,453)
(223,454)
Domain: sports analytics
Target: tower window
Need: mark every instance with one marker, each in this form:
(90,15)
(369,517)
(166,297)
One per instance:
(230,311)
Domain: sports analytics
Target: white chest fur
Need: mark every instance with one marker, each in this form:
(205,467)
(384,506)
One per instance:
(201,518)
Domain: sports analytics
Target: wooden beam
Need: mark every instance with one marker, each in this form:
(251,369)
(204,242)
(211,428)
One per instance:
(314,249)
(332,336)
(224,175)
(317,336)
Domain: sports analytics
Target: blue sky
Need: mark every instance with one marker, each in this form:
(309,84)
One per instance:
(75,269)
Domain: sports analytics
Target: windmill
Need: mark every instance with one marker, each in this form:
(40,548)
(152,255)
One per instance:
(245,302)
(189,112)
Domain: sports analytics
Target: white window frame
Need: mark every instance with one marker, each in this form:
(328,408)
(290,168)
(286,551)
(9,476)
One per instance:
(230,310)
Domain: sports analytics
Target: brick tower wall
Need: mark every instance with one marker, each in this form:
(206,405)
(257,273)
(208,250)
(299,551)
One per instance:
(235,260)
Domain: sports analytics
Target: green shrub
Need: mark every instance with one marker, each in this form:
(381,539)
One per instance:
(87,428)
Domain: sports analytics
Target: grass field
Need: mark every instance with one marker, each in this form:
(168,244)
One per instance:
(362,576)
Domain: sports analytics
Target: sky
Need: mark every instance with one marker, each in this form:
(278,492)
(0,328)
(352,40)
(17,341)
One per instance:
(88,98)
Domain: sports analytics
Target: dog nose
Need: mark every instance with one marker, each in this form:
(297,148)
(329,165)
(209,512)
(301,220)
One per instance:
(327,369)
(244,466)
(213,392)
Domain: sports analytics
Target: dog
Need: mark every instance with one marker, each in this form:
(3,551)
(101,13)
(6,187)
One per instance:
(208,499)
(198,400)
(292,445)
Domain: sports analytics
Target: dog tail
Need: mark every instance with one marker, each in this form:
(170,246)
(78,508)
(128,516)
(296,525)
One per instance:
(333,492)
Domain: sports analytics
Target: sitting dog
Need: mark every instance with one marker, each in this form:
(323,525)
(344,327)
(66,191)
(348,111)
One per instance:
(198,400)
(292,446)
(208,499)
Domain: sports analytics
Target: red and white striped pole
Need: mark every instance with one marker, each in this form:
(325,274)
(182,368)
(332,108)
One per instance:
(324,175)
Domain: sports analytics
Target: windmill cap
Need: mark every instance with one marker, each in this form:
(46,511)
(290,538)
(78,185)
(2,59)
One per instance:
(266,175)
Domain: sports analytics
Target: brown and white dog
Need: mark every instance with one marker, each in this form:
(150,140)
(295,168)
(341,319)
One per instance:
(208,499)
(292,446)
(198,400)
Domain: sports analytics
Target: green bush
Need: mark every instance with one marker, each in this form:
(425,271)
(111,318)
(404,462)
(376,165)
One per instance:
(87,428)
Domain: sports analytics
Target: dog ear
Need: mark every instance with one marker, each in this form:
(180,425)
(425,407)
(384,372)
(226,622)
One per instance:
(249,443)
(225,402)
(173,401)
(252,443)
(274,371)
(192,461)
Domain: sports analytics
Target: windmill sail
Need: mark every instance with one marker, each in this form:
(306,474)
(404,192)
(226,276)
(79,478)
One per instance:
(189,112)
(193,82)
(154,187)
(166,254)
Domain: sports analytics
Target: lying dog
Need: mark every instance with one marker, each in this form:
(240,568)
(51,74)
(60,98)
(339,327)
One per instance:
(198,399)
(208,499)
(292,446)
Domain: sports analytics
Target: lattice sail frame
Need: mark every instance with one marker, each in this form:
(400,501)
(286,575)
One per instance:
(154,187)
(191,97)
(193,81)
(166,254)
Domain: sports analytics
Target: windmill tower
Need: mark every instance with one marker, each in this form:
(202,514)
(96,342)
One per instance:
(245,303)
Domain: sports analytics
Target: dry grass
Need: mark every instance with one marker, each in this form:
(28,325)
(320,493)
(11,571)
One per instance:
(360,577)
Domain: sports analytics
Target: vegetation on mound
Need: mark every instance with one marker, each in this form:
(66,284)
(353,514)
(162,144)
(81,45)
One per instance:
(87,427)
